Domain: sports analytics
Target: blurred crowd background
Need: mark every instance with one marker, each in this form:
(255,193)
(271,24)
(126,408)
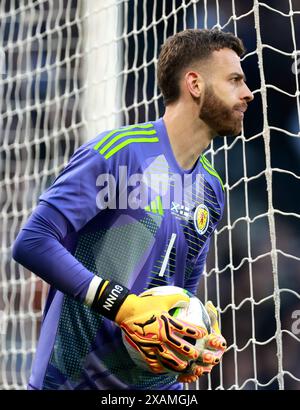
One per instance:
(42,124)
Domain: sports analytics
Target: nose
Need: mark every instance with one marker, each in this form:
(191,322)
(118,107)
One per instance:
(247,94)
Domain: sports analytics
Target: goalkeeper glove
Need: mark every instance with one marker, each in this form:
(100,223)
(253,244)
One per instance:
(149,327)
(213,347)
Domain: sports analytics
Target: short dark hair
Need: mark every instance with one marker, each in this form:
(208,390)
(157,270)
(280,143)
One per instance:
(186,47)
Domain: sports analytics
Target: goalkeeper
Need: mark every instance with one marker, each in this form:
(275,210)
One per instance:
(107,229)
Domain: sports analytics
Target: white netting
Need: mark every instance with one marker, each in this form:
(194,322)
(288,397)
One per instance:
(40,122)
(74,68)
(253,279)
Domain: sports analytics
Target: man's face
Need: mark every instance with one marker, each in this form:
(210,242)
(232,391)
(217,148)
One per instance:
(226,94)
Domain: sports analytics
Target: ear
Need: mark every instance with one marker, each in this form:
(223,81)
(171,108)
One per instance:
(194,83)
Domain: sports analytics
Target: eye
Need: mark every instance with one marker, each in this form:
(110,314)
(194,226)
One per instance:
(237,81)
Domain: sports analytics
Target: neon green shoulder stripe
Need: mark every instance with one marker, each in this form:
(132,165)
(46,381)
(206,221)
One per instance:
(207,165)
(107,136)
(125,134)
(129,141)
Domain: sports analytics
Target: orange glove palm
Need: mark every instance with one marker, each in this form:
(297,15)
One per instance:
(214,346)
(155,334)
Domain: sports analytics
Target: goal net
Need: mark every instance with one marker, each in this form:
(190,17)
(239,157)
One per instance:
(70,69)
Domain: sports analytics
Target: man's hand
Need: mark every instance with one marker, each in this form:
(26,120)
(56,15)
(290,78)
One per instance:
(214,346)
(157,335)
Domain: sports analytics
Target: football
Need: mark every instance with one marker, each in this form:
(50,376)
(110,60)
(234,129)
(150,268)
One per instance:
(194,313)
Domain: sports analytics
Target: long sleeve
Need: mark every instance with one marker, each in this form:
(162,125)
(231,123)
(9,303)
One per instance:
(39,248)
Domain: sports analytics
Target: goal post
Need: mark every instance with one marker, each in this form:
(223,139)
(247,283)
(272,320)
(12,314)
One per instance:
(75,68)
(102,70)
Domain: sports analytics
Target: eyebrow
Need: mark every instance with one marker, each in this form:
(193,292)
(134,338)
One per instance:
(239,75)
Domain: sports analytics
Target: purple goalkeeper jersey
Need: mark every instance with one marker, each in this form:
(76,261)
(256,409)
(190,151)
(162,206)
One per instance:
(137,218)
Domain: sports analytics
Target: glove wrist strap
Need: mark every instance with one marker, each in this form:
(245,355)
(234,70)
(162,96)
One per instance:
(109,297)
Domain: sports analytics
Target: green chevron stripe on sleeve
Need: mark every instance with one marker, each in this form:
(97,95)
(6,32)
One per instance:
(206,165)
(130,127)
(128,141)
(125,134)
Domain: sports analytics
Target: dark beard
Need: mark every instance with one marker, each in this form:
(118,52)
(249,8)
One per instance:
(218,116)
